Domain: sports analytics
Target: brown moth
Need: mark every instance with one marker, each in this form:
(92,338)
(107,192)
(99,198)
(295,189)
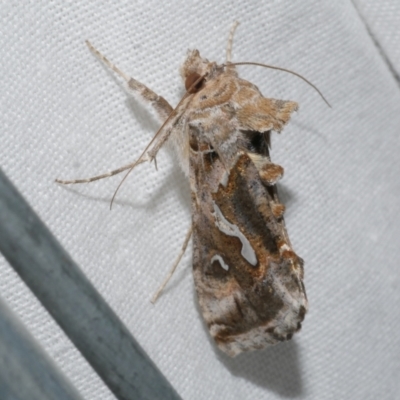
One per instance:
(248,279)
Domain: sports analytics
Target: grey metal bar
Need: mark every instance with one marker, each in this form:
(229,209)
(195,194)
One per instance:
(75,304)
(26,372)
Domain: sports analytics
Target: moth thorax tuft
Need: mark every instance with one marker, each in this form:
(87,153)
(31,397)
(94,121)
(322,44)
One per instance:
(194,82)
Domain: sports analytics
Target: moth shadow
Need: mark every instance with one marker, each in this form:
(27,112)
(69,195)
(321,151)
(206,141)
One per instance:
(140,111)
(277,368)
(142,114)
(286,196)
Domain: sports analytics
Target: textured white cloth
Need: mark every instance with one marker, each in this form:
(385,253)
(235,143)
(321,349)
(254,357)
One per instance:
(64,115)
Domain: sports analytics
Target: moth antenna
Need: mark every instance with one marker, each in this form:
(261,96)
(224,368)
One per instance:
(284,70)
(152,157)
(176,263)
(230,42)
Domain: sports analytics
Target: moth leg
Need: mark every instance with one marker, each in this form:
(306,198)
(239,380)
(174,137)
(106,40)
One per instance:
(176,263)
(106,175)
(230,42)
(160,105)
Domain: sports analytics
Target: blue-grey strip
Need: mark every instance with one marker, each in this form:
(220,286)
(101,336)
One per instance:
(26,372)
(75,304)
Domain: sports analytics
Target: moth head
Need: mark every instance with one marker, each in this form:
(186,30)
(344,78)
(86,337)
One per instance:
(194,71)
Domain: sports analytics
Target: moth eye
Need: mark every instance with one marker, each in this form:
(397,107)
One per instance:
(191,85)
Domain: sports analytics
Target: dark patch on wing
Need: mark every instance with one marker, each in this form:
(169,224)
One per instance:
(258,142)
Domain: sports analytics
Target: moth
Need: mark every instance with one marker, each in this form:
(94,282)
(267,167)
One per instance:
(248,279)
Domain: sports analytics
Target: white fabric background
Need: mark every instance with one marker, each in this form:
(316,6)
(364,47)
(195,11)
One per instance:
(64,115)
